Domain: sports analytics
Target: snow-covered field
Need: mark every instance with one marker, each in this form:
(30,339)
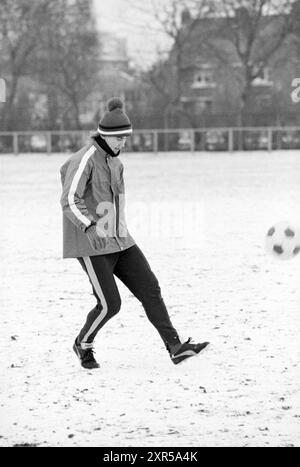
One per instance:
(216,279)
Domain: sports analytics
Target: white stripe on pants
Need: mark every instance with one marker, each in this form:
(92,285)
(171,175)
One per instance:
(99,292)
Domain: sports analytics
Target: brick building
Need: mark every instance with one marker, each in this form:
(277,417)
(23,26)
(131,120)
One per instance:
(212,76)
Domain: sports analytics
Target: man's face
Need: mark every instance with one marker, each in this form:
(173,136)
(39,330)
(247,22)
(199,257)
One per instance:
(116,143)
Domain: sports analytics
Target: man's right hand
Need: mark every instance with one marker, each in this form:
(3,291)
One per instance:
(97,242)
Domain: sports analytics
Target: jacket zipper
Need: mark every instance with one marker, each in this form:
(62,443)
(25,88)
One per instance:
(114,203)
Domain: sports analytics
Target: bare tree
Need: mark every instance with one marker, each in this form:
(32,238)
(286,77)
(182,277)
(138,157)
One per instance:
(55,46)
(242,36)
(167,75)
(255,30)
(21,27)
(69,69)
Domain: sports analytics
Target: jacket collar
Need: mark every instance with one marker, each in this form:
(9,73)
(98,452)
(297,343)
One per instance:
(101,143)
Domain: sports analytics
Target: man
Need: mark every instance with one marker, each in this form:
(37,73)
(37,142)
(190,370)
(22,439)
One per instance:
(95,232)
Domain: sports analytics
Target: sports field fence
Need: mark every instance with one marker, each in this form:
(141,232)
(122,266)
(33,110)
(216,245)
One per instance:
(158,140)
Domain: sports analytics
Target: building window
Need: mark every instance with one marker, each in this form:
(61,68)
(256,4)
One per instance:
(204,79)
(264,102)
(263,78)
(203,104)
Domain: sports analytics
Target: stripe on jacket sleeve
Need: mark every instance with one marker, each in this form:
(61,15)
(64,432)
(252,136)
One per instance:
(99,292)
(71,196)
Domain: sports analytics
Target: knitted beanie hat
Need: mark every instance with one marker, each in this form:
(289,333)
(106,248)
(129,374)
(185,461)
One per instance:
(115,122)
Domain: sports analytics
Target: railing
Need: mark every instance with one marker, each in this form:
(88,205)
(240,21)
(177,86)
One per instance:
(208,139)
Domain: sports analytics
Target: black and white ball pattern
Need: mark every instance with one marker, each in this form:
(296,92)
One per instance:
(283,240)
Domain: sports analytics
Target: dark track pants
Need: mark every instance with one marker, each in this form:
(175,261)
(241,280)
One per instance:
(132,268)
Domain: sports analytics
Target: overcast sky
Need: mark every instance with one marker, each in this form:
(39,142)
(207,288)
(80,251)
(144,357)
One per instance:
(121,18)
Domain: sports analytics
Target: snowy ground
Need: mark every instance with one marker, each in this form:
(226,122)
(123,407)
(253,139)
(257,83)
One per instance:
(218,283)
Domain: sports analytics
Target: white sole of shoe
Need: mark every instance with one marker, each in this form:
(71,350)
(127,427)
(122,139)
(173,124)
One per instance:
(194,355)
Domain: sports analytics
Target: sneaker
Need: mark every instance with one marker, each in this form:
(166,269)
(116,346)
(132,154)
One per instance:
(186,350)
(86,355)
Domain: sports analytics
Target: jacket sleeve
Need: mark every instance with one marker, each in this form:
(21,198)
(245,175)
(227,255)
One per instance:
(74,181)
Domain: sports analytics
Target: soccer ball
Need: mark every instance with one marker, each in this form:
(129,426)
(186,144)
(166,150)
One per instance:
(283,240)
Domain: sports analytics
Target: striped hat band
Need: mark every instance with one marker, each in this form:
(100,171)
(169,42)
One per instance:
(117,131)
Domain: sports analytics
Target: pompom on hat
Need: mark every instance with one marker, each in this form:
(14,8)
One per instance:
(115,122)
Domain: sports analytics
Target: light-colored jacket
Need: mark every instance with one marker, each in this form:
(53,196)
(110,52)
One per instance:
(93,191)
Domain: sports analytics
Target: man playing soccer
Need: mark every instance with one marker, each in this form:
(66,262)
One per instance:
(95,232)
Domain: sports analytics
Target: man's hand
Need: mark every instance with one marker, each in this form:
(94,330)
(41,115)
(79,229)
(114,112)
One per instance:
(97,242)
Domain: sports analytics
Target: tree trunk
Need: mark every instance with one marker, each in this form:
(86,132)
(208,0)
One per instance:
(8,120)
(166,126)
